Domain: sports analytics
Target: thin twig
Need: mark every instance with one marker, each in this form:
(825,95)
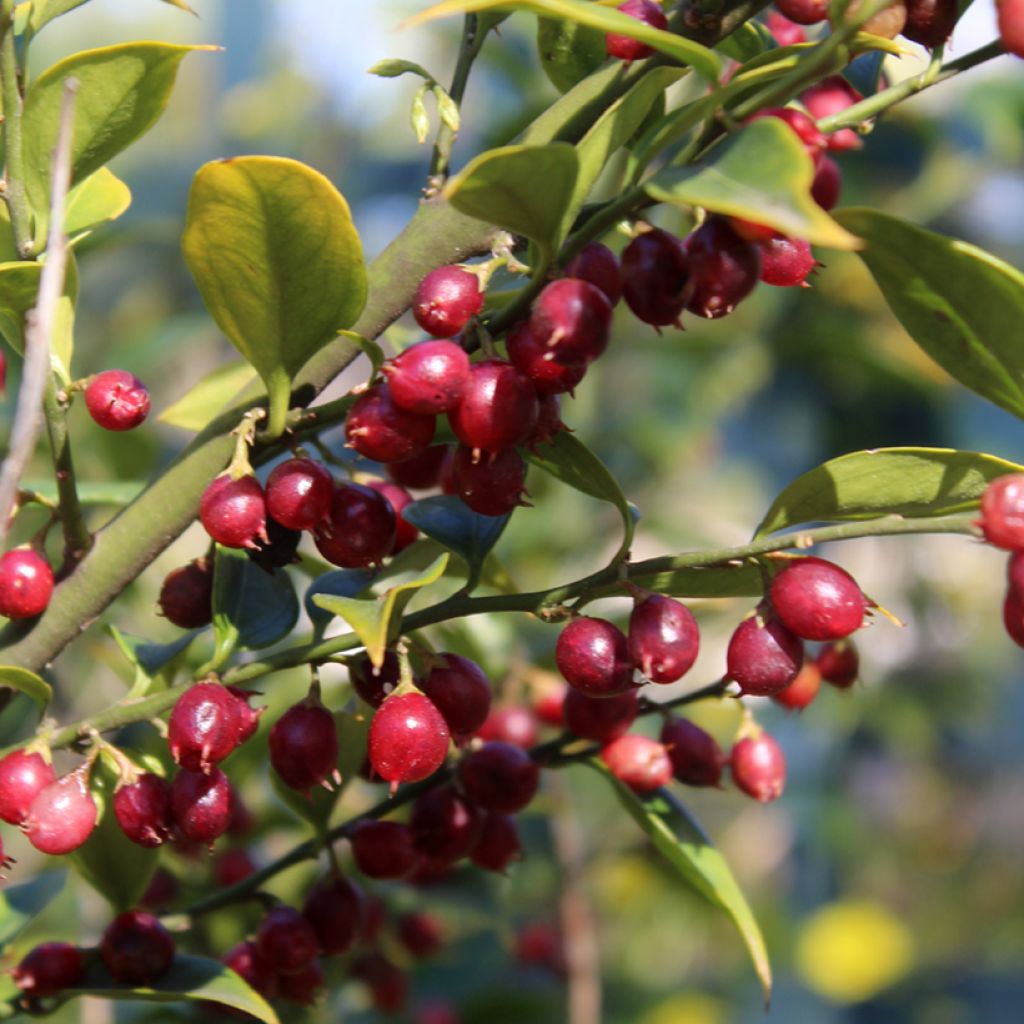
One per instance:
(14,184)
(472,41)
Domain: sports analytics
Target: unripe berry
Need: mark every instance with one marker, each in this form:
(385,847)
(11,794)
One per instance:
(445,301)
(764,656)
(245,960)
(759,767)
(785,31)
(23,776)
(839,663)
(499,777)
(334,909)
(421,472)
(832,96)
(533,358)
(117,400)
(1010,20)
(408,739)
(572,320)
(62,815)
(143,810)
(1002,512)
(663,638)
(827,184)
(599,720)
(624,48)
(817,599)
(598,265)
(786,262)
(593,655)
(48,969)
(379,429)
(803,127)
(186,596)
(384,849)
(802,691)
(299,493)
(428,378)
(697,759)
(360,530)
(490,485)
(724,268)
(804,12)
(498,845)
(655,273)
(26,584)
(303,746)
(421,934)
(498,407)
(397,497)
(641,763)
(286,939)
(514,725)
(136,948)
(201,804)
(204,727)
(458,688)
(234,512)
(445,826)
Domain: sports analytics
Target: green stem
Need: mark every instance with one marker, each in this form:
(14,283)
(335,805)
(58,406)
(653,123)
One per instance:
(472,43)
(77,538)
(14,184)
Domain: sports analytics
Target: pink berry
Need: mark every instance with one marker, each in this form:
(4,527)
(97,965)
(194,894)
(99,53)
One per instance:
(572,320)
(397,497)
(408,739)
(26,584)
(303,987)
(286,939)
(832,96)
(839,663)
(697,759)
(598,265)
(803,127)
(445,301)
(232,867)
(511,725)
(303,746)
(334,909)
(204,727)
(360,530)
(1010,21)
(299,493)
(663,638)
(234,512)
(245,960)
(143,810)
(930,22)
(785,31)
(458,688)
(48,969)
(593,655)
(817,599)
(804,12)
(655,273)
(201,804)
(802,691)
(374,685)
(428,378)
(384,849)
(827,184)
(62,815)
(624,48)
(421,472)
(786,262)
(445,826)
(764,656)
(599,720)
(23,776)
(724,268)
(759,767)
(499,777)
(186,596)
(379,429)
(498,845)
(1002,512)
(117,400)
(534,359)
(498,407)
(421,934)
(641,763)
(491,485)
(136,948)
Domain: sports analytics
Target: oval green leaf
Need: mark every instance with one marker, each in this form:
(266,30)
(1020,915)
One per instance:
(208,397)
(100,198)
(919,482)
(28,683)
(568,51)
(958,302)
(19,904)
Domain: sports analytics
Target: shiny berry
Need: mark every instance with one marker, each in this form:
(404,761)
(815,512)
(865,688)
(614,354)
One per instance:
(408,739)
(803,127)
(388,984)
(299,493)
(360,530)
(374,685)
(48,969)
(599,266)
(117,400)
(697,759)
(304,986)
(572,320)
(421,472)
(832,96)
(802,691)
(593,655)
(491,485)
(759,767)
(786,262)
(785,31)
(204,727)
(379,429)
(26,584)
(724,268)
(599,720)
(234,512)
(839,663)
(248,717)
(334,909)
(384,849)
(245,960)
(804,12)
(186,596)
(498,845)
(428,378)
(763,655)
(1002,512)
(286,939)
(663,638)
(827,184)
(458,688)
(232,867)
(445,826)
(624,48)
(421,934)
(62,815)
(655,273)
(445,301)
(201,804)
(1010,21)
(818,600)
(143,810)
(534,359)
(641,763)
(499,777)
(22,777)
(136,948)
(511,725)
(397,497)
(498,408)
(303,746)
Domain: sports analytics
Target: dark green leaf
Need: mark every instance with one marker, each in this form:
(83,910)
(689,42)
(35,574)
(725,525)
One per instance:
(19,904)
(149,660)
(958,302)
(339,583)
(200,404)
(28,683)
(569,51)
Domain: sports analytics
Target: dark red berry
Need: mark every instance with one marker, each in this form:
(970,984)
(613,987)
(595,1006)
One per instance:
(785,31)
(458,688)
(204,726)
(599,720)
(48,969)
(818,600)
(186,596)
(491,485)
(388,984)
(540,944)
(572,319)
(421,472)
(299,493)
(827,184)
(1002,512)
(234,512)
(161,892)
(803,127)
(62,815)
(201,804)
(499,777)
(786,262)
(724,268)
(1015,572)
(379,429)
(136,948)
(1013,617)
(445,301)
(334,909)
(663,638)
(384,849)
(930,22)
(232,867)
(593,655)
(498,845)
(549,422)
(624,48)
(533,358)
(512,725)
(374,685)
(839,663)
(1010,22)
(804,12)
(498,407)
(117,400)
(26,584)
(428,378)
(303,746)
(247,717)
(446,478)
(245,960)
(143,810)
(759,767)
(360,530)
(421,934)
(655,273)
(23,776)
(832,96)
(304,986)
(445,826)
(802,691)
(764,656)
(697,759)
(408,738)
(641,763)
(598,265)
(397,497)
(286,939)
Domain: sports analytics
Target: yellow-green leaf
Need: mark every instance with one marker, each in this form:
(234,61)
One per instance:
(204,400)
(100,198)
(28,683)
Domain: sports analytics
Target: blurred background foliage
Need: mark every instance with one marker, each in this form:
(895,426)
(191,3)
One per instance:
(888,877)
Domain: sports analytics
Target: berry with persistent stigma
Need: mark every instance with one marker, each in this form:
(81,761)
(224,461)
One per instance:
(532,357)
(655,274)
(763,656)
(663,638)
(303,745)
(143,810)
(786,262)
(458,688)
(62,815)
(26,584)
(445,301)
(234,512)
(117,400)
(379,429)
(491,485)
(360,530)
(498,408)
(428,378)
(205,726)
(724,268)
(186,596)
(593,655)
(201,804)
(49,968)
(817,599)
(759,767)
(697,759)
(572,320)
(408,739)
(299,493)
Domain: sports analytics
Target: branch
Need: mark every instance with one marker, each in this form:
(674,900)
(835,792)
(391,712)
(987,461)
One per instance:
(472,43)
(77,538)
(14,182)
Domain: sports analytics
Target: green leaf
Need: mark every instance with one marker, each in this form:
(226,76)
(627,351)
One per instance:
(750,40)
(569,51)
(91,492)
(122,91)
(28,683)
(605,19)
(372,620)
(678,838)
(43,11)
(886,481)
(958,302)
(338,583)
(19,904)
(272,247)
(762,174)
(204,400)
(100,198)
(524,189)
(149,660)
(193,978)
(19,285)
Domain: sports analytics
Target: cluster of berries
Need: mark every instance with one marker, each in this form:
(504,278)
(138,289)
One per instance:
(928,22)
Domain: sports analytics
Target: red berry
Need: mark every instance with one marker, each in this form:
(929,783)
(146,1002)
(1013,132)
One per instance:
(498,408)
(445,826)
(286,939)
(818,600)
(334,909)
(572,319)
(186,596)
(445,301)
(397,497)
(22,777)
(930,22)
(232,867)
(1010,20)
(374,685)
(786,262)
(299,493)
(303,746)
(827,184)
(785,31)
(549,422)
(143,810)
(764,656)
(360,530)
(752,231)
(624,48)
(117,400)
(248,718)
(379,429)
(384,849)
(539,944)
(641,763)
(804,12)
(304,986)
(803,127)
(421,934)
(599,720)
(663,638)
(802,691)
(499,777)
(458,688)
(388,984)
(408,738)
(655,273)
(839,663)
(511,725)
(245,960)
(490,485)
(234,512)
(136,948)
(428,378)
(593,655)
(534,359)
(421,472)
(1013,617)
(201,804)
(498,845)
(62,815)
(161,892)
(1002,512)
(598,265)
(26,584)
(547,705)
(724,268)
(832,96)
(204,727)
(697,759)
(48,969)
(759,767)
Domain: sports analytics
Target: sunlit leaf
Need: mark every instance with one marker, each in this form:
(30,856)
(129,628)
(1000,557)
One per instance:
(32,686)
(205,399)
(100,198)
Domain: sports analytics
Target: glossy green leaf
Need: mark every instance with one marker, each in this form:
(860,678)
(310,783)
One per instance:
(372,620)
(19,904)
(958,302)
(678,838)
(193,978)
(205,399)
(28,683)
(569,51)
(272,247)
(100,198)
(19,285)
(762,174)
(524,189)
(886,481)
